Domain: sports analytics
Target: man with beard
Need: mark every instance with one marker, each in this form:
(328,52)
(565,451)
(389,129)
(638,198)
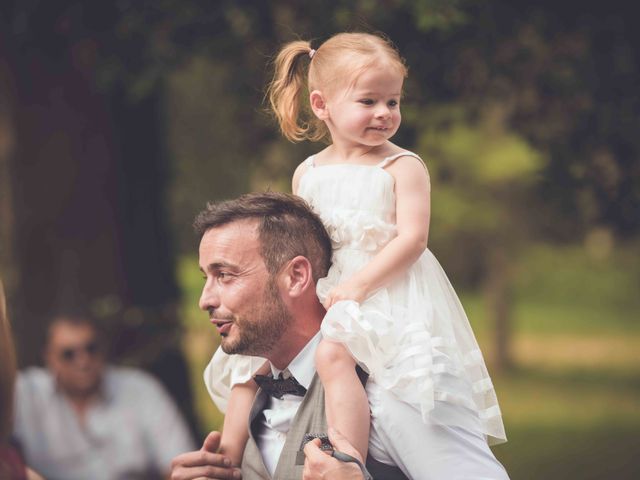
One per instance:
(261,256)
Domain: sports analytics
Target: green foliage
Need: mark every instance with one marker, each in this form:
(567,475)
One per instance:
(211,160)
(191,280)
(481,153)
(562,290)
(483,177)
(457,211)
(602,291)
(438,14)
(560,453)
(565,79)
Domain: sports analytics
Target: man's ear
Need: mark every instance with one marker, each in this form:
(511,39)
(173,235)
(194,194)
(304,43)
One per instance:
(297,276)
(319,105)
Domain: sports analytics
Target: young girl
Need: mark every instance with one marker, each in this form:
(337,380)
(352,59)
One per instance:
(390,307)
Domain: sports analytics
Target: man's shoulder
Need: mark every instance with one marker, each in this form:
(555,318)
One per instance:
(35,390)
(134,381)
(34,378)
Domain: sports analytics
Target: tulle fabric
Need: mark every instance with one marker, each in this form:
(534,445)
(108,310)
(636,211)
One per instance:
(224,371)
(412,337)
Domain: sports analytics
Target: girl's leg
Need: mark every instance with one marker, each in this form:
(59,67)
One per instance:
(346,402)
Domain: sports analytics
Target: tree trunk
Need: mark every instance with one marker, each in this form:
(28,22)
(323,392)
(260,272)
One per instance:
(498,295)
(88,182)
(7,141)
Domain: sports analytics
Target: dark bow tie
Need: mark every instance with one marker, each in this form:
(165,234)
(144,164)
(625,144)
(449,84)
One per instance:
(277,387)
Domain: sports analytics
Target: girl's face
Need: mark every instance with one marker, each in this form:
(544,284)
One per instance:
(367,112)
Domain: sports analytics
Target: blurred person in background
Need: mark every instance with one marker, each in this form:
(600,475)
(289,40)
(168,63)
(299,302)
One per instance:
(81,418)
(12,465)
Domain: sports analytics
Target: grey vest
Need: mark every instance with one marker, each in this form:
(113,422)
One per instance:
(310,418)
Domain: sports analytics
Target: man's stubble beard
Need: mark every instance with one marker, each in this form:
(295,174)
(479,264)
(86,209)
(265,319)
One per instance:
(262,327)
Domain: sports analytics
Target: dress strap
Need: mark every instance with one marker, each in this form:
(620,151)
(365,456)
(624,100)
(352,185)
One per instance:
(386,161)
(311,161)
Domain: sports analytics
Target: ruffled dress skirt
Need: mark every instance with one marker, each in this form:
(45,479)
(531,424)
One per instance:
(412,337)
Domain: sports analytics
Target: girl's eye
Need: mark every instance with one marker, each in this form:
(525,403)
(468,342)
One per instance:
(366,101)
(393,103)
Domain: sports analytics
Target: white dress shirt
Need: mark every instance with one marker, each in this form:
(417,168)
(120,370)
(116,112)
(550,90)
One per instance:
(133,430)
(278,414)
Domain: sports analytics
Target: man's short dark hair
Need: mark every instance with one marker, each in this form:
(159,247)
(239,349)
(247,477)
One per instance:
(73,318)
(287,227)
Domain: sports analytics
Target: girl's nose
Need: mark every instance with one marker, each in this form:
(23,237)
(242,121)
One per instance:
(383,112)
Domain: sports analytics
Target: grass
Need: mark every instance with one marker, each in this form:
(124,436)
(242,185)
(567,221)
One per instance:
(571,453)
(572,404)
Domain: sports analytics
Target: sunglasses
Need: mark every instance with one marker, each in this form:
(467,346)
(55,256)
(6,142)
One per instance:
(70,354)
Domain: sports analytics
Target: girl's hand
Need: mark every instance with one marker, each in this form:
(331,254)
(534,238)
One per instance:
(345,291)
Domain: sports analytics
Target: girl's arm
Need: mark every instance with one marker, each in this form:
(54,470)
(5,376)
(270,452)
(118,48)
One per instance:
(235,432)
(297,175)
(413,209)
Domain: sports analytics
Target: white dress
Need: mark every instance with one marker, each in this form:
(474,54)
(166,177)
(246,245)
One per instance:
(412,337)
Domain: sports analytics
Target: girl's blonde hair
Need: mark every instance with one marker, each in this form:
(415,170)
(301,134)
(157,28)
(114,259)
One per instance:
(7,371)
(337,62)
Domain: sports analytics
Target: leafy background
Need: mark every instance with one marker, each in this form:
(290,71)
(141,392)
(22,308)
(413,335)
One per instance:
(526,115)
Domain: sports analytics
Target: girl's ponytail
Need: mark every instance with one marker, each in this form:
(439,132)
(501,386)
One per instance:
(338,61)
(289,82)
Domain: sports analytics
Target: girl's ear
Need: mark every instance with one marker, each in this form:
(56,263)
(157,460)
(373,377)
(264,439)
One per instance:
(319,105)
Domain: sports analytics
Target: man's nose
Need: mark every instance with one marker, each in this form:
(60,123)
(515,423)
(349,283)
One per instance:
(83,359)
(209,297)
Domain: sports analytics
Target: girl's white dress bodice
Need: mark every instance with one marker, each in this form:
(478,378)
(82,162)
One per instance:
(412,337)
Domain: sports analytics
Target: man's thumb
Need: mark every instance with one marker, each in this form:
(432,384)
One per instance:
(212,442)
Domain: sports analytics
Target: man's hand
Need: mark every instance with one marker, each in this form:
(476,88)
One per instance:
(204,463)
(320,465)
